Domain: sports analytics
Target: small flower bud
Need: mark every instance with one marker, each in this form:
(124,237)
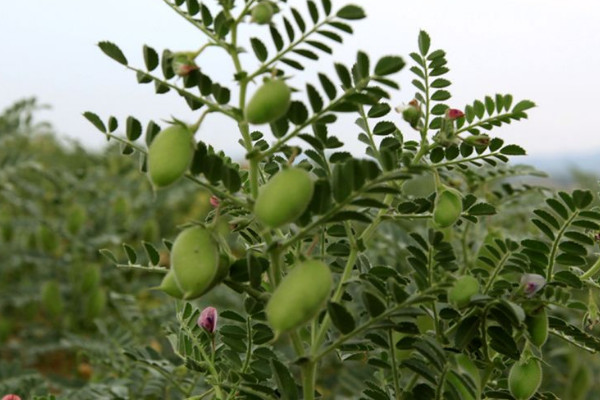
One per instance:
(478,140)
(214,201)
(453,114)
(11,397)
(183,64)
(532,283)
(208,319)
(411,113)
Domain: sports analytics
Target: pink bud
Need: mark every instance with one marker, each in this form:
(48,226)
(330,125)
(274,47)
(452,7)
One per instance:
(11,397)
(208,319)
(532,283)
(454,113)
(214,201)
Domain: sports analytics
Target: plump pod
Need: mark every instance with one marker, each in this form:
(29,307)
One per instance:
(525,378)
(299,296)
(262,13)
(75,219)
(96,303)
(463,289)
(170,155)
(52,298)
(537,326)
(269,103)
(448,206)
(195,261)
(284,198)
(169,286)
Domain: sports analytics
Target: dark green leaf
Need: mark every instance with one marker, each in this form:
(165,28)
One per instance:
(111,50)
(374,305)
(133,129)
(150,58)
(388,65)
(95,120)
(260,50)
(351,12)
(340,317)
(285,381)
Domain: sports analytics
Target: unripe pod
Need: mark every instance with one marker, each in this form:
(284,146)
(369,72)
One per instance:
(170,155)
(195,261)
(537,326)
(299,296)
(448,207)
(170,286)
(90,278)
(411,115)
(262,13)
(96,302)
(525,378)
(579,383)
(463,289)
(284,198)
(52,298)
(48,240)
(76,219)
(270,102)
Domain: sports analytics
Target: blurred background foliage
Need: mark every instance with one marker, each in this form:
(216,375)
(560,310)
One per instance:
(73,325)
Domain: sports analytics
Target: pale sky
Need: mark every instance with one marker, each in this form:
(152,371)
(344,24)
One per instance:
(542,50)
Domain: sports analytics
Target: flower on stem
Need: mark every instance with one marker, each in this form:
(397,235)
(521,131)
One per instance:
(208,319)
(214,201)
(532,283)
(454,113)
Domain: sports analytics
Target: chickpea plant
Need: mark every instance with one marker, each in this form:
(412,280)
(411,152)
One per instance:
(393,264)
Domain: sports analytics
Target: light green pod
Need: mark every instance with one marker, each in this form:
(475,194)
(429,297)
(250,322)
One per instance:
(169,285)
(463,289)
(284,198)
(537,326)
(76,219)
(299,296)
(96,303)
(52,298)
(170,155)
(525,378)
(448,207)
(270,102)
(195,261)
(262,13)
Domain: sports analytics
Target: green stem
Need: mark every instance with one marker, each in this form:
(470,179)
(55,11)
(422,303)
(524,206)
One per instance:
(464,160)
(197,24)
(394,364)
(266,66)
(212,106)
(485,122)
(559,235)
(308,380)
(495,273)
(367,324)
(282,141)
(201,396)
(592,271)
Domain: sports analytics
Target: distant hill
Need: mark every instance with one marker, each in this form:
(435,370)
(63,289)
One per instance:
(560,167)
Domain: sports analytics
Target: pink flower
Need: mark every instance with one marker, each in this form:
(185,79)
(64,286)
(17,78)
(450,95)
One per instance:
(454,113)
(11,397)
(214,201)
(532,283)
(208,319)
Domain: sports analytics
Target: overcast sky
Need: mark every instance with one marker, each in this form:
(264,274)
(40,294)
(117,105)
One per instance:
(543,50)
